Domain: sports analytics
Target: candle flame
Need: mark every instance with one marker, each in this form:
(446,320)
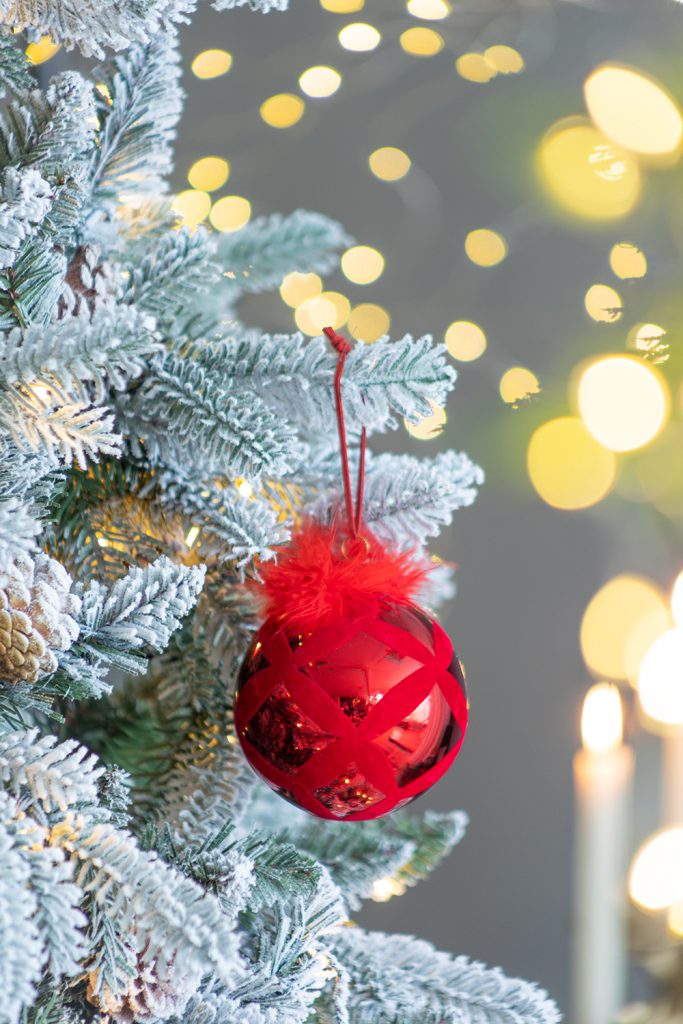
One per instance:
(602,720)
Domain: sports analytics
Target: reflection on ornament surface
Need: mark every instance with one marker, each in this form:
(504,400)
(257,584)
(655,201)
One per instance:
(356,719)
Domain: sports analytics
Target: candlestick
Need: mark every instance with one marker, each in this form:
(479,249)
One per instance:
(603,772)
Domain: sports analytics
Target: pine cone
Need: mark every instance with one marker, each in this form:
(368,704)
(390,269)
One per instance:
(36,609)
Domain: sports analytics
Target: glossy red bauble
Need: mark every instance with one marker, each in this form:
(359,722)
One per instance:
(356,718)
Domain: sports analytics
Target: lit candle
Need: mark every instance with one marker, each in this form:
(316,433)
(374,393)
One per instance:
(603,771)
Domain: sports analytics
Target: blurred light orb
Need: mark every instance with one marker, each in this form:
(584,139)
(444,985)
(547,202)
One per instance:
(674,919)
(623,402)
(627,261)
(430,426)
(421,41)
(429,10)
(660,680)
(320,81)
(641,639)
(389,163)
(518,384)
(485,247)
(342,308)
(359,37)
(192,206)
(43,50)
(230,213)
(612,615)
(677,600)
(602,718)
(211,63)
(362,264)
(313,314)
(465,340)
(634,110)
(584,173)
(656,876)
(209,173)
(505,59)
(297,287)
(342,6)
(282,110)
(649,341)
(369,322)
(567,467)
(384,889)
(474,67)
(603,303)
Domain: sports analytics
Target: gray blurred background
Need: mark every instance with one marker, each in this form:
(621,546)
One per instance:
(526,571)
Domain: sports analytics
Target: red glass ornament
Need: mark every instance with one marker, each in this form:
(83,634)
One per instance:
(354,719)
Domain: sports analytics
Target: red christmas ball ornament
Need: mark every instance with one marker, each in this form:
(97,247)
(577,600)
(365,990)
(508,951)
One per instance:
(350,701)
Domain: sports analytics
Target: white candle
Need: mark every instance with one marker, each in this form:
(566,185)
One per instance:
(603,772)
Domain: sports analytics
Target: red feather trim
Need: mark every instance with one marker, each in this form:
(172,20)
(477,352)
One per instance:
(314,583)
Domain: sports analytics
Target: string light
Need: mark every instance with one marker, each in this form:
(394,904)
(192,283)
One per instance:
(359,37)
(677,600)
(209,173)
(504,59)
(567,466)
(648,339)
(211,63)
(421,41)
(230,213)
(320,81)
(627,261)
(192,206)
(485,247)
(623,402)
(634,110)
(362,264)
(603,303)
(329,309)
(429,10)
(474,67)
(659,681)
(429,426)
(283,110)
(585,173)
(342,6)
(656,876)
(297,287)
(389,163)
(465,340)
(369,322)
(192,535)
(614,614)
(42,51)
(517,384)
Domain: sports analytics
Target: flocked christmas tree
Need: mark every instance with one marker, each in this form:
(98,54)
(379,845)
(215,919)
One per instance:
(154,451)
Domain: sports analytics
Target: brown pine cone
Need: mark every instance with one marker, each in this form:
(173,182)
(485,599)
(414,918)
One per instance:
(36,609)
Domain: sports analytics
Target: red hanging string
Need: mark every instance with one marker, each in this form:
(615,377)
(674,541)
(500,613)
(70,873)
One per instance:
(354,517)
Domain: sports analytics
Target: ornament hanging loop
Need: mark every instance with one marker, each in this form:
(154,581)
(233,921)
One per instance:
(354,516)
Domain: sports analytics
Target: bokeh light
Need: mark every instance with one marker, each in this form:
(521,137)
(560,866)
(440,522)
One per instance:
(209,173)
(660,680)
(297,287)
(566,465)
(369,322)
(421,41)
(389,163)
(282,110)
(474,67)
(314,313)
(634,110)
(362,264)
(656,876)
(504,59)
(674,920)
(518,384)
(211,63)
(342,308)
(602,719)
(465,340)
(43,50)
(320,81)
(359,37)
(485,247)
(611,617)
(649,341)
(429,10)
(230,213)
(192,206)
(603,303)
(622,401)
(430,426)
(342,6)
(585,174)
(677,600)
(627,261)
